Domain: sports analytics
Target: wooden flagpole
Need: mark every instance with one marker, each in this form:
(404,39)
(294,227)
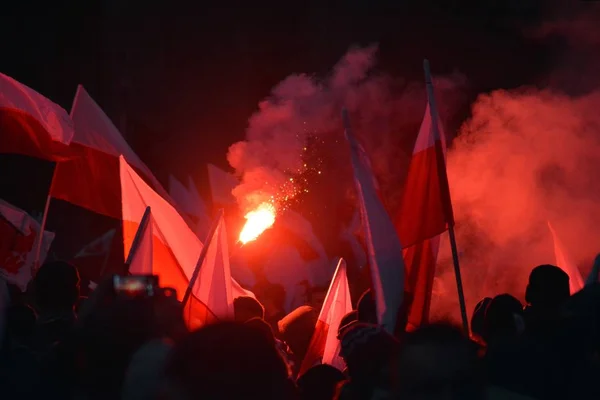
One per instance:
(447,202)
(137,239)
(202,257)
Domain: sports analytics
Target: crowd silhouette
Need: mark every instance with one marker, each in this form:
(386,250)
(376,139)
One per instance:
(60,345)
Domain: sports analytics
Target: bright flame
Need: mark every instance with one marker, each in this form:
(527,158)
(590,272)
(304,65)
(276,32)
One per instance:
(257,221)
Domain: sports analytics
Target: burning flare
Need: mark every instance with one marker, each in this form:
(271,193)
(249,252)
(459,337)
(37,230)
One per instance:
(257,221)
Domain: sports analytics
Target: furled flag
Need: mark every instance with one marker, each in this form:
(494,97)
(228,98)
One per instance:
(31,124)
(563,261)
(384,248)
(91,180)
(175,248)
(425,213)
(140,260)
(214,284)
(221,186)
(18,232)
(325,345)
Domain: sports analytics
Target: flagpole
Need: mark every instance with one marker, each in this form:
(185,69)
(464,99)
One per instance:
(202,257)
(40,237)
(443,177)
(137,239)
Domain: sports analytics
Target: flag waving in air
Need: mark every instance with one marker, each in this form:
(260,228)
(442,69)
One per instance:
(562,260)
(383,246)
(175,249)
(91,180)
(325,345)
(30,123)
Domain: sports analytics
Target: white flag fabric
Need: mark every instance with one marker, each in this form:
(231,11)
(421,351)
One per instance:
(214,284)
(384,248)
(142,260)
(563,261)
(53,118)
(325,344)
(350,235)
(175,247)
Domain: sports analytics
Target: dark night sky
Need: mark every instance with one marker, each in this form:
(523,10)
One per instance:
(183,77)
(189,74)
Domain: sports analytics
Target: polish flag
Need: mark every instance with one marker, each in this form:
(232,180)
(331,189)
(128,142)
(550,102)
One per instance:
(425,213)
(564,262)
(18,233)
(384,248)
(91,181)
(175,248)
(325,345)
(31,124)
(190,202)
(214,284)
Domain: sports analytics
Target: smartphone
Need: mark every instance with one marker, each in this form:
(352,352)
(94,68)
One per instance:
(136,285)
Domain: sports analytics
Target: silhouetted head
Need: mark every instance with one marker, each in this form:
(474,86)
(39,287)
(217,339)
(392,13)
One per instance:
(245,308)
(548,287)
(319,382)
(367,310)
(503,318)
(297,329)
(367,350)
(262,326)
(56,286)
(478,317)
(352,316)
(226,361)
(437,361)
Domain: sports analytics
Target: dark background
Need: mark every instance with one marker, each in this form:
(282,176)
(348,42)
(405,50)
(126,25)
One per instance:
(181,78)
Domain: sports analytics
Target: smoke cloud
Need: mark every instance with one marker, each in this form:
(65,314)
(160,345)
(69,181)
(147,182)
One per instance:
(273,158)
(524,158)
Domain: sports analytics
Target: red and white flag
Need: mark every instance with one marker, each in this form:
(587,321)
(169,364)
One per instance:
(18,233)
(91,180)
(30,123)
(214,284)
(576,282)
(325,345)
(425,213)
(383,246)
(175,248)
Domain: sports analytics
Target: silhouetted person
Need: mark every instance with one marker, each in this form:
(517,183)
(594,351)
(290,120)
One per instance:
(56,290)
(438,362)
(368,351)
(227,361)
(347,319)
(546,292)
(245,308)
(296,329)
(478,318)
(503,319)
(319,382)
(366,308)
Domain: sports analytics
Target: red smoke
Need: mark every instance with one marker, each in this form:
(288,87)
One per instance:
(525,157)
